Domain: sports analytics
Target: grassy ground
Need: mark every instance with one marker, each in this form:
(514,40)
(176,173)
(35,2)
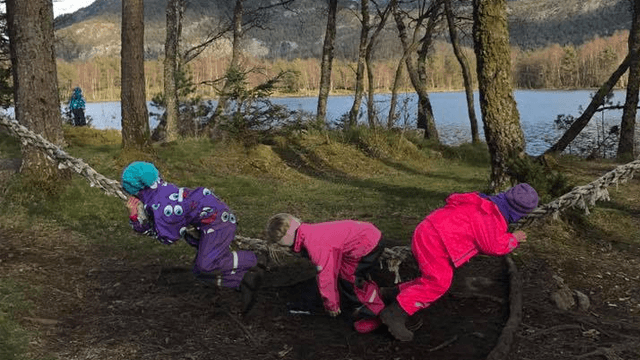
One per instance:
(384,179)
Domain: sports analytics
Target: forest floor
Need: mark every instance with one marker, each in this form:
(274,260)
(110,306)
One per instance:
(89,300)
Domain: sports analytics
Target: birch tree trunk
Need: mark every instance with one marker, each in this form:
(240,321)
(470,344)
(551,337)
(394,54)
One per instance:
(327,62)
(362,50)
(466,73)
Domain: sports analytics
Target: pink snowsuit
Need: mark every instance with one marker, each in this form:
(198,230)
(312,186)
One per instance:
(446,239)
(336,249)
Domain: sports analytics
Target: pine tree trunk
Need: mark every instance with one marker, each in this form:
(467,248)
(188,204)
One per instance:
(171,48)
(37,103)
(626,145)
(135,118)
(327,62)
(499,112)
(466,73)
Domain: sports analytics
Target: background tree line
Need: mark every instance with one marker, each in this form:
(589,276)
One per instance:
(552,67)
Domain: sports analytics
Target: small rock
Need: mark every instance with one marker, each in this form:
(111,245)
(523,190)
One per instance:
(563,299)
(583,301)
(559,281)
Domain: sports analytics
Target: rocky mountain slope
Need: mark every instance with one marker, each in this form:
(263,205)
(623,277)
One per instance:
(297,30)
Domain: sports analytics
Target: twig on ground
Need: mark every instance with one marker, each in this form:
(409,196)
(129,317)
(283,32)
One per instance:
(244,328)
(554,329)
(444,344)
(478,296)
(609,353)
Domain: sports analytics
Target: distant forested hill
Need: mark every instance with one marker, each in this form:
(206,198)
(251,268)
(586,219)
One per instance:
(297,31)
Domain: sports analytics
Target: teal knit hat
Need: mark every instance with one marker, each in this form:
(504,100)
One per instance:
(139,175)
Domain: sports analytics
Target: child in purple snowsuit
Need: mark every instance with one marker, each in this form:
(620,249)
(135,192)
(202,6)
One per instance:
(164,211)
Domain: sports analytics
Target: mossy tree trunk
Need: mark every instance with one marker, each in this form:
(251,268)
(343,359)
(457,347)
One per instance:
(135,117)
(327,62)
(626,145)
(35,81)
(500,115)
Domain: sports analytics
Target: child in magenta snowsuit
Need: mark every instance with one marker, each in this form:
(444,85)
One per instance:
(164,211)
(469,224)
(344,252)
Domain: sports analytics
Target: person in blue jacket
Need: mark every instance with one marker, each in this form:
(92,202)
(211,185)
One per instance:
(77,105)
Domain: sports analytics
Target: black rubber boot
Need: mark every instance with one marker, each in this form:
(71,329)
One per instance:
(388,294)
(395,318)
(249,286)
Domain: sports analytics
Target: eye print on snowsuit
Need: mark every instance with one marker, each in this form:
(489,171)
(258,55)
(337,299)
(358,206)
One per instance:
(183,230)
(232,218)
(206,192)
(173,197)
(224,217)
(177,210)
(206,211)
(155,206)
(168,210)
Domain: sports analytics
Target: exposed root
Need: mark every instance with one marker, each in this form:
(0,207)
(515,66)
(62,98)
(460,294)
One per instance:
(502,348)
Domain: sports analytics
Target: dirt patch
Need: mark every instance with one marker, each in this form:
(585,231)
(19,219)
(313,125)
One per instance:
(98,307)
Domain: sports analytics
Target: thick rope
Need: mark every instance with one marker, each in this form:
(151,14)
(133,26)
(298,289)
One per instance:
(64,160)
(583,196)
(580,197)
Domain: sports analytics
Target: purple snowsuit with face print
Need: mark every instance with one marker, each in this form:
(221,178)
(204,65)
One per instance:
(171,209)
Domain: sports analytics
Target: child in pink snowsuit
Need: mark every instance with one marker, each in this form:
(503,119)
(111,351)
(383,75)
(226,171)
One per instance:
(469,224)
(344,252)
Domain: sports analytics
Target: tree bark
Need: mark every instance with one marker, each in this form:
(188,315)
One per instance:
(371,45)
(394,93)
(234,64)
(593,106)
(35,80)
(135,118)
(327,62)
(425,110)
(362,50)
(499,112)
(425,118)
(466,73)
(175,9)
(626,145)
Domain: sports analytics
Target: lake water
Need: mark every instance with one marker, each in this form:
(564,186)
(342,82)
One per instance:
(538,110)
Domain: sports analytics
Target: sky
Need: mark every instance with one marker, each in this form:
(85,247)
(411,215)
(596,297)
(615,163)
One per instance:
(61,7)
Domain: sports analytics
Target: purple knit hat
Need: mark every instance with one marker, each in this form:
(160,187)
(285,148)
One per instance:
(516,202)
(522,198)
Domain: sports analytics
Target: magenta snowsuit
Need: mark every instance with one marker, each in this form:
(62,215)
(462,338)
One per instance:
(336,249)
(446,239)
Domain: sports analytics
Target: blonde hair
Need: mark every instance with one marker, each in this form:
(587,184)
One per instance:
(277,227)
